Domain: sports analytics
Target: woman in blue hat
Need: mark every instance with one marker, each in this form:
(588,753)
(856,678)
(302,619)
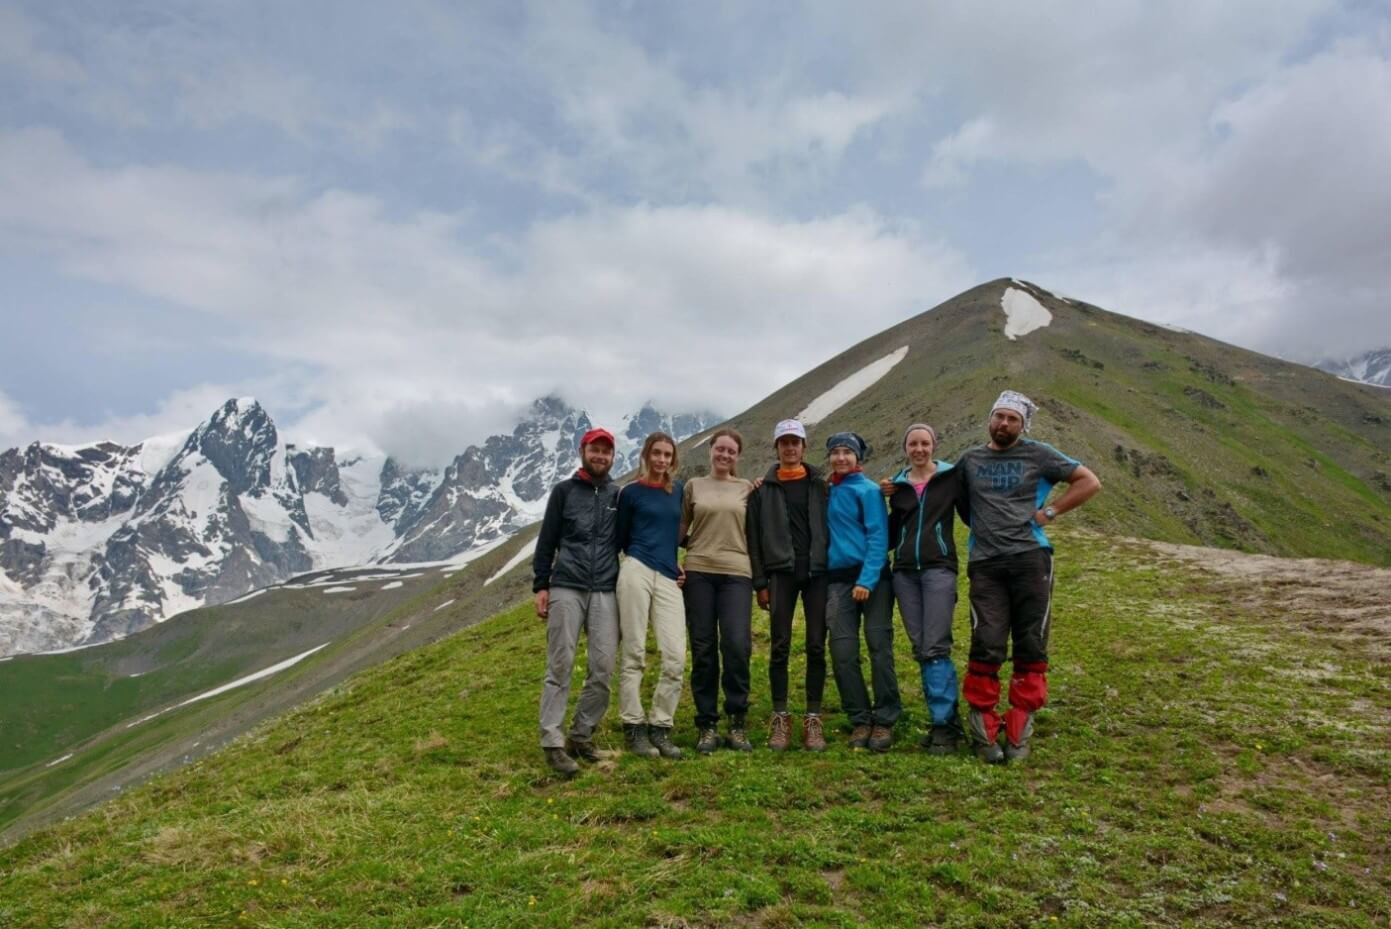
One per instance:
(859,590)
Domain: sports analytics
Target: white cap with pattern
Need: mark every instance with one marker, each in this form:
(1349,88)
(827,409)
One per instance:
(1018,403)
(789,427)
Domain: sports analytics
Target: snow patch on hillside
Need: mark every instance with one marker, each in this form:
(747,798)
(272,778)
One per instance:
(523,553)
(850,388)
(1023,313)
(232,685)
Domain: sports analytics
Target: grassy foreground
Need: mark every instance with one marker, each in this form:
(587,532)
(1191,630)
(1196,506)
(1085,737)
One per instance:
(1196,766)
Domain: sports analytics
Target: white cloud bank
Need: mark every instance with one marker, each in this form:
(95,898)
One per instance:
(419,341)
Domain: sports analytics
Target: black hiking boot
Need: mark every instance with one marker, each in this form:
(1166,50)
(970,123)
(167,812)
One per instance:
(738,739)
(635,736)
(944,739)
(581,749)
(560,762)
(708,741)
(660,737)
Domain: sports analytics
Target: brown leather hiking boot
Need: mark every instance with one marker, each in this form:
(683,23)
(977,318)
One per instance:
(780,736)
(881,739)
(813,739)
(859,737)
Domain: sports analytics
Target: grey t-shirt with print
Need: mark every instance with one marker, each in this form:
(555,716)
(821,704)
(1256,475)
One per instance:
(1007,488)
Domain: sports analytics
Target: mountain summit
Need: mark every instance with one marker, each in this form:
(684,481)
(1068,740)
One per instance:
(1197,441)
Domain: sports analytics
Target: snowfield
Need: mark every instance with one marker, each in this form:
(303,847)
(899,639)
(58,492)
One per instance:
(850,388)
(525,552)
(1023,313)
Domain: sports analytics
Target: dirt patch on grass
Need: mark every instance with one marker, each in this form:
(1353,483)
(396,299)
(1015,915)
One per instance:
(1343,599)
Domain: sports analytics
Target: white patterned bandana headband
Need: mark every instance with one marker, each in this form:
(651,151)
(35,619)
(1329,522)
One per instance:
(1018,403)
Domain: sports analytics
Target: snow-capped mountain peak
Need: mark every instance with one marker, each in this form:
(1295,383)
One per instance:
(1373,367)
(100,540)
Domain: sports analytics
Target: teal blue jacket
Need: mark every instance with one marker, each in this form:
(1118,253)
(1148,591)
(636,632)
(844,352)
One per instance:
(859,529)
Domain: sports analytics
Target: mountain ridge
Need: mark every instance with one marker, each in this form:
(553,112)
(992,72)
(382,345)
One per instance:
(99,540)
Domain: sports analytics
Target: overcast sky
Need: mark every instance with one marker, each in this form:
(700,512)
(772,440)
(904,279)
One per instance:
(398,224)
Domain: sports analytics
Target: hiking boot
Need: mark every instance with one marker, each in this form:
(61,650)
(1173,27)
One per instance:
(780,738)
(660,737)
(1018,751)
(581,749)
(881,738)
(859,737)
(708,741)
(635,735)
(944,739)
(986,750)
(813,739)
(738,739)
(560,762)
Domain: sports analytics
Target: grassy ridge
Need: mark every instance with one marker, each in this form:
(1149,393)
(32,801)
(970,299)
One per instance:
(1196,766)
(1196,441)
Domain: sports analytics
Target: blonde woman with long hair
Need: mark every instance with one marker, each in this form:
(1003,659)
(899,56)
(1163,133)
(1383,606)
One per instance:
(649,595)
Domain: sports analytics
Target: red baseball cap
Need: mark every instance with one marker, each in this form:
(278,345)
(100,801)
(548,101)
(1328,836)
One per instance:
(596,435)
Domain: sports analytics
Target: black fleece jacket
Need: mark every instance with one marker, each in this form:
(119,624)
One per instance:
(578,543)
(770,532)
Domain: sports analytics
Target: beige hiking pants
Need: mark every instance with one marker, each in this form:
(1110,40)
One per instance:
(647,597)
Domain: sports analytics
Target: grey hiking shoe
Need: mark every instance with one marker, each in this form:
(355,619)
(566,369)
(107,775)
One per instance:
(581,749)
(780,735)
(1020,750)
(738,739)
(986,750)
(708,741)
(635,737)
(561,763)
(660,737)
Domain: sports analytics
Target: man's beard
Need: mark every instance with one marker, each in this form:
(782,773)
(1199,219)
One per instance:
(1003,437)
(597,471)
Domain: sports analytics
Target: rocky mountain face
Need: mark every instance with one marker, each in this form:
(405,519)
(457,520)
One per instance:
(1372,367)
(493,489)
(102,540)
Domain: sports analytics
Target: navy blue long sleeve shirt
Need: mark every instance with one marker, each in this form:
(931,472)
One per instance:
(649,525)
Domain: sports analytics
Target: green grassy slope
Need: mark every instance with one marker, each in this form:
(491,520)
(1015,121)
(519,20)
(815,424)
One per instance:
(1198,765)
(82,703)
(1196,441)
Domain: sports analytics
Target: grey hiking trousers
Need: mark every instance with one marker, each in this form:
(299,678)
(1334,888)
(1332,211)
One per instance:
(571,611)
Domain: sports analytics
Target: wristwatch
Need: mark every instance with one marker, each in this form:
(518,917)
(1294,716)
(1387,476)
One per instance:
(1051,513)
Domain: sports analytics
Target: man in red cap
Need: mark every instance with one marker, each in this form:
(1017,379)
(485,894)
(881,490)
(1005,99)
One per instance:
(574,574)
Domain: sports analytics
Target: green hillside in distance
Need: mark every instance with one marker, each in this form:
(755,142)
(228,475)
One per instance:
(78,727)
(1195,440)
(1203,762)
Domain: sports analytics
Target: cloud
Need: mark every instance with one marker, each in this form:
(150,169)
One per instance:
(416,341)
(15,428)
